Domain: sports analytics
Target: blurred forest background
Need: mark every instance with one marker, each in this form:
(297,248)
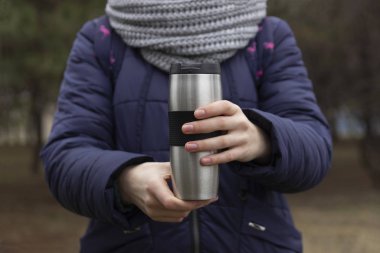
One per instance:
(339,40)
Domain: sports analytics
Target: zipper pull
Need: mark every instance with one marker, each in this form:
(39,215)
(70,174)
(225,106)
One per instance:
(257,226)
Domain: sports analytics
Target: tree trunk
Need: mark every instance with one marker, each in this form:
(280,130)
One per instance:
(370,149)
(36,125)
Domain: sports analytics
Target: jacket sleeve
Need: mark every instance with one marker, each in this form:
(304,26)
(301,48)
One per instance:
(288,112)
(80,157)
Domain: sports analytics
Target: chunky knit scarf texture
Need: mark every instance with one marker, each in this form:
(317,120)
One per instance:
(186,31)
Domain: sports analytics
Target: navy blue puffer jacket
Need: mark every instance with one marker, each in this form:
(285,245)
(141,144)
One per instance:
(102,126)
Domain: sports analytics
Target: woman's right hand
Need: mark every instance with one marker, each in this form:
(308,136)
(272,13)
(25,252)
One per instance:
(145,185)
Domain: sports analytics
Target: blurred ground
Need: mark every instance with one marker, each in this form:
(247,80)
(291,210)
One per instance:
(342,215)
(30,219)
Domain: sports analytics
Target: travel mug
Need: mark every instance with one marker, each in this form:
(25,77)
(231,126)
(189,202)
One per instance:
(192,86)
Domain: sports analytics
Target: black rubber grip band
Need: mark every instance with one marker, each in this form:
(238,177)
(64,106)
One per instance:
(176,136)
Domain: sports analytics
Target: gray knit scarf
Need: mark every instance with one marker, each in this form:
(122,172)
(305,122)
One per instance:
(187,31)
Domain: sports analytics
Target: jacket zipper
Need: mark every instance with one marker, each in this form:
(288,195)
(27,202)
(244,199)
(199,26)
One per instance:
(257,226)
(195,227)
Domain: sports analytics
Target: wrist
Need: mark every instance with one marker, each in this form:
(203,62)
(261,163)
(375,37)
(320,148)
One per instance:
(264,156)
(121,205)
(122,183)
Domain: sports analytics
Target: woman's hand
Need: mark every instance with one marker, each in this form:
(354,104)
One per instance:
(145,185)
(242,142)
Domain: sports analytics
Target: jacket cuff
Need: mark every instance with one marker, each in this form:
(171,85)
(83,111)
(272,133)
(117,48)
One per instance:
(266,125)
(135,218)
(255,168)
(128,217)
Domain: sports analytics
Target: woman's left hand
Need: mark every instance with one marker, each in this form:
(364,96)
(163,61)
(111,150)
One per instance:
(242,142)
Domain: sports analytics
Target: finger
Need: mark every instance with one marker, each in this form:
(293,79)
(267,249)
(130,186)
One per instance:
(216,143)
(153,208)
(167,219)
(209,125)
(200,203)
(221,107)
(165,169)
(224,157)
(161,212)
(160,190)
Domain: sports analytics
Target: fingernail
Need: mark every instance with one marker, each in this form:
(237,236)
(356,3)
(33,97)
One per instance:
(187,128)
(206,160)
(199,113)
(191,146)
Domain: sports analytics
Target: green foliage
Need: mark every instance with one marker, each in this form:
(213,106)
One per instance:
(36,37)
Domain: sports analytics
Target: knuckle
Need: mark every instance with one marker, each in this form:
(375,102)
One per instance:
(150,204)
(223,142)
(150,188)
(150,212)
(225,102)
(202,145)
(241,123)
(248,155)
(244,140)
(230,156)
(232,105)
(168,203)
(222,123)
(197,126)
(233,108)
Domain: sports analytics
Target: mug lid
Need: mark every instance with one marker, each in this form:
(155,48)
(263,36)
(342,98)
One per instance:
(202,68)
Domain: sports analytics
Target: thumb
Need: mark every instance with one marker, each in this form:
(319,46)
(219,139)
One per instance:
(165,170)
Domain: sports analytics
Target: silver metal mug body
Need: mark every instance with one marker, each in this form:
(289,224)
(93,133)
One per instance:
(191,180)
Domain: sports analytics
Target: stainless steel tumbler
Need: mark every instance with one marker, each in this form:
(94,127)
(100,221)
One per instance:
(192,86)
